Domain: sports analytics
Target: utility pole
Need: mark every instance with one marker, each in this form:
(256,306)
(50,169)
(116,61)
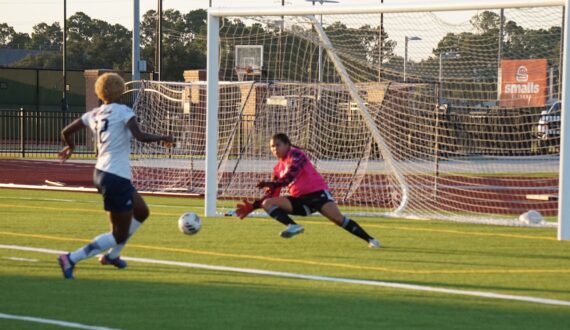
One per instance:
(500,52)
(136,75)
(381,46)
(64,106)
(158,52)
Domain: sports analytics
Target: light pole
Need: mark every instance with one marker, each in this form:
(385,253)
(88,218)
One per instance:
(158,50)
(135,61)
(64,106)
(381,44)
(406,52)
(444,56)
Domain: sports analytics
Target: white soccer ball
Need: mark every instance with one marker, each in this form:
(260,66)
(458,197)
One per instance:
(531,217)
(189,223)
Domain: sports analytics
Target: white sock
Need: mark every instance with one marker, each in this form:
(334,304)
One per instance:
(100,243)
(115,251)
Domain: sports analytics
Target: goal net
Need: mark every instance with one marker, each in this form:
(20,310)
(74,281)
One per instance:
(405,114)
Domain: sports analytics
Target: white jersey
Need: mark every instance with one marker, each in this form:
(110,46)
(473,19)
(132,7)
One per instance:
(109,126)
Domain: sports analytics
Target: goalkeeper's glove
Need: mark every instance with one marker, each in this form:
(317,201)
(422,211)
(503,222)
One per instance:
(243,210)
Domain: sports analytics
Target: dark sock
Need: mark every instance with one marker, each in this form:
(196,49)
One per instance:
(70,261)
(355,229)
(278,214)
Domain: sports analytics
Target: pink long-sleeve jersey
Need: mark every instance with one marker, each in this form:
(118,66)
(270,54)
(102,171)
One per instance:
(298,174)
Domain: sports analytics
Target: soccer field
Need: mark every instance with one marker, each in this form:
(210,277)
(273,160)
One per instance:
(240,274)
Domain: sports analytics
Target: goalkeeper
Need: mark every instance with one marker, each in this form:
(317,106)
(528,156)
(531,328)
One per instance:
(308,193)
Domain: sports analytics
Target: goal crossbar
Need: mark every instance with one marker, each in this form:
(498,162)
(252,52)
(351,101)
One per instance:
(384,8)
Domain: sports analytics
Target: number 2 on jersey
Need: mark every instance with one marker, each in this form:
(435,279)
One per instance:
(101,126)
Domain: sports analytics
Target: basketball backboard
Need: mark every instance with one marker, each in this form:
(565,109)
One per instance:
(249,58)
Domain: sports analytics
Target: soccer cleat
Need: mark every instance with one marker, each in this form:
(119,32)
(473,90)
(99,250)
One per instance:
(117,262)
(373,243)
(292,230)
(66,266)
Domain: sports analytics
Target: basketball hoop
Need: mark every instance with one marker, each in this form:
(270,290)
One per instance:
(240,73)
(243,72)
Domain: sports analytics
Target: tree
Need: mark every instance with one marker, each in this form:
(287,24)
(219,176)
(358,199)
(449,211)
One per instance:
(93,43)
(6,33)
(478,51)
(529,43)
(12,39)
(486,22)
(20,40)
(46,37)
(196,22)
(181,47)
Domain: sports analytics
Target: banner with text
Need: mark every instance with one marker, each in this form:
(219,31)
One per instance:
(523,83)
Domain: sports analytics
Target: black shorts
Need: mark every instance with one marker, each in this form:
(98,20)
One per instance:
(310,203)
(117,191)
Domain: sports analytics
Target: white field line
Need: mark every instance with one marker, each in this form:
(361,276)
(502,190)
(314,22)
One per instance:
(54,322)
(89,190)
(21,259)
(321,278)
(85,201)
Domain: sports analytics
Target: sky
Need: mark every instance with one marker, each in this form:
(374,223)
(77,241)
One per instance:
(22,15)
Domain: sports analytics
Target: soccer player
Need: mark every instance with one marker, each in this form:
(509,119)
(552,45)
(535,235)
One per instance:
(112,125)
(308,193)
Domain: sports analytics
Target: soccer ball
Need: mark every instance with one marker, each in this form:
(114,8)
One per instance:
(189,223)
(531,217)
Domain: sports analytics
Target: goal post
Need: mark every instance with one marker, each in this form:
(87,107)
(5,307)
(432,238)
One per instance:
(564,176)
(385,144)
(212,101)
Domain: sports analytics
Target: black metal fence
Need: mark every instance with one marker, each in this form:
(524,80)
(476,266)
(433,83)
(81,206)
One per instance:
(26,133)
(36,134)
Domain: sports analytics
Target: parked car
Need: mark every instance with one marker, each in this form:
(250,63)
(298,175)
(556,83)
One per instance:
(549,123)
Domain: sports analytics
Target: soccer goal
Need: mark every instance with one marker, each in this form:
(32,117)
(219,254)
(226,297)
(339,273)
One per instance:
(404,113)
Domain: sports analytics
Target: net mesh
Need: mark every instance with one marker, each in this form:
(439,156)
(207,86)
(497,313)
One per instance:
(462,152)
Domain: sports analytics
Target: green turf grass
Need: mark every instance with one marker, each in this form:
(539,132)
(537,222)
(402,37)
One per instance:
(517,261)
